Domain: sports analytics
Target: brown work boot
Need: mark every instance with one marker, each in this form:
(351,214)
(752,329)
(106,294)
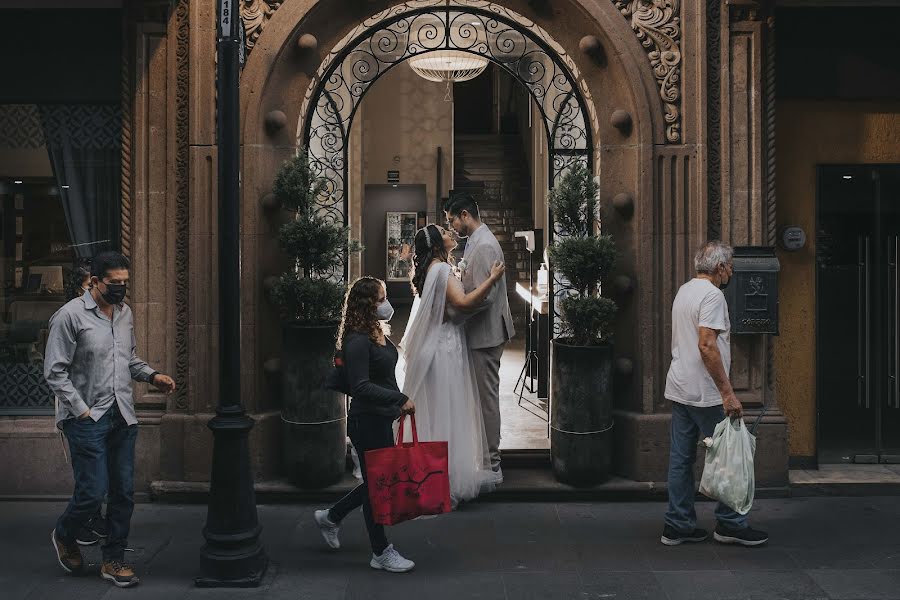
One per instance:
(119,573)
(68,555)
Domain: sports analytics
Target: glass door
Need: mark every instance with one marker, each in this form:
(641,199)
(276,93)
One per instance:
(401,233)
(857,324)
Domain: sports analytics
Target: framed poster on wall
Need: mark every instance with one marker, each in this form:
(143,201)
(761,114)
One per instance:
(401,232)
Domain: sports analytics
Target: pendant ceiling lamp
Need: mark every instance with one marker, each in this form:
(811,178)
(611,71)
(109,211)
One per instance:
(448,66)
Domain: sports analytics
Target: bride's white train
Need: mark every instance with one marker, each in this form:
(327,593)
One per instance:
(436,373)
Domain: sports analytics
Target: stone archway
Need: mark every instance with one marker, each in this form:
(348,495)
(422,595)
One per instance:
(292,44)
(383,41)
(485,29)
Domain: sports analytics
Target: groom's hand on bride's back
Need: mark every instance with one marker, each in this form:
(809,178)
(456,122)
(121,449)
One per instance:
(408,408)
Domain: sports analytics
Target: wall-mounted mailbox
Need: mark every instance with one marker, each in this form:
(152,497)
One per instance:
(752,294)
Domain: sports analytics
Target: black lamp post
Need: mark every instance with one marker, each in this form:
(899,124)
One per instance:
(233,555)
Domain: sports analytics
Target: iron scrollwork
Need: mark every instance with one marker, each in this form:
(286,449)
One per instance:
(477,27)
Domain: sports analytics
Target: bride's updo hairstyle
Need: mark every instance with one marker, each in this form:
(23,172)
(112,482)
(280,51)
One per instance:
(429,245)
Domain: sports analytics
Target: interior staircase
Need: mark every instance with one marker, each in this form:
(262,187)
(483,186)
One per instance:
(494,169)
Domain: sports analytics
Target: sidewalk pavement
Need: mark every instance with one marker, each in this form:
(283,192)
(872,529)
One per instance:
(820,548)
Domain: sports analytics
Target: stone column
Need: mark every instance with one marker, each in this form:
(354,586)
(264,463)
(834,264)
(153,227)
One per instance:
(745,214)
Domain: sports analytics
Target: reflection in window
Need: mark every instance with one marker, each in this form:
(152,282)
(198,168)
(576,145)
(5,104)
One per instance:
(59,205)
(401,234)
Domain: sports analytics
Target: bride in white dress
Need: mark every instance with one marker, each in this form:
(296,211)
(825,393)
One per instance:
(435,369)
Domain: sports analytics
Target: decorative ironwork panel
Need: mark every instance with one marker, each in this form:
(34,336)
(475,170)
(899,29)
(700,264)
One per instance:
(32,126)
(481,28)
(25,391)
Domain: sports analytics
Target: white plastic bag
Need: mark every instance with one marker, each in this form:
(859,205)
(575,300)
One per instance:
(728,470)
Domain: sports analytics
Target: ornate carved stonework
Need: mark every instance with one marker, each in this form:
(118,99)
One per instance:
(125,230)
(744,10)
(255,14)
(658,27)
(713,116)
(182,200)
(770,200)
(770,134)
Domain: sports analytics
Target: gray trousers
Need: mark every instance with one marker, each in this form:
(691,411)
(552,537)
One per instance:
(486,365)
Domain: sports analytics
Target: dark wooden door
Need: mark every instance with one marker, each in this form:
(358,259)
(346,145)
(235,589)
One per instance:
(377,202)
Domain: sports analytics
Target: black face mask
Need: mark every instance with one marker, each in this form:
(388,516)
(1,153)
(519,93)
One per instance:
(722,286)
(115,293)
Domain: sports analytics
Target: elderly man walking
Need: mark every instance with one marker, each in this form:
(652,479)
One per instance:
(701,395)
(89,364)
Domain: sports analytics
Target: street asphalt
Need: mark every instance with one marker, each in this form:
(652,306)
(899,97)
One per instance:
(834,548)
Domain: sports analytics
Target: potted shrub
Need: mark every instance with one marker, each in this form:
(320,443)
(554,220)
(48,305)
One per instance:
(310,296)
(581,358)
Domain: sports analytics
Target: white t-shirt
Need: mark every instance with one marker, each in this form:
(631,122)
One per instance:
(698,304)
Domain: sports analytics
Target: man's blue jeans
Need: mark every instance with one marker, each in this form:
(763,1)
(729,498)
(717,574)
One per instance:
(689,425)
(102,463)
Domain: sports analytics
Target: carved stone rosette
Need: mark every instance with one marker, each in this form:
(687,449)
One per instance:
(255,14)
(658,27)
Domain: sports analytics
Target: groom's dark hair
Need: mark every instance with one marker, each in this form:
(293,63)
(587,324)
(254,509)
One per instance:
(462,201)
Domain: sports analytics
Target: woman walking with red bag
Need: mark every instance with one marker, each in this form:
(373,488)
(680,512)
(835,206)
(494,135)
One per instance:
(370,360)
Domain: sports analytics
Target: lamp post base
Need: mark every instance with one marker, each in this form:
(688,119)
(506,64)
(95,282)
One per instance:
(233,555)
(243,568)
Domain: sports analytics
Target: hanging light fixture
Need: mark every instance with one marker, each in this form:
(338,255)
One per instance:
(448,66)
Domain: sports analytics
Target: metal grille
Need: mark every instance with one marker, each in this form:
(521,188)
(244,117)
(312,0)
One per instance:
(480,28)
(23,390)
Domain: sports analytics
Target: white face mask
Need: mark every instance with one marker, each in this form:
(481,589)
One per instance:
(385,311)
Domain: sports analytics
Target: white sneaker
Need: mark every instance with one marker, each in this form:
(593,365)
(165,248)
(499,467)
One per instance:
(390,560)
(328,529)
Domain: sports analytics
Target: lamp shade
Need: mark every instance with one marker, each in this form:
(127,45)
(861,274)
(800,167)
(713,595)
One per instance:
(448,65)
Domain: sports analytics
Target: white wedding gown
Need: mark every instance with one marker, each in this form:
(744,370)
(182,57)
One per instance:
(436,374)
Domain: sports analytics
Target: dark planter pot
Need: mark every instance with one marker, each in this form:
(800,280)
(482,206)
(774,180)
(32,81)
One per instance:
(581,395)
(314,419)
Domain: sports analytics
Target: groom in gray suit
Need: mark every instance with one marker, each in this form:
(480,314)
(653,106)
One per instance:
(488,330)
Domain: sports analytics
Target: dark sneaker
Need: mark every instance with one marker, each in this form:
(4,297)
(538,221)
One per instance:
(743,537)
(673,537)
(119,573)
(68,555)
(98,526)
(87,537)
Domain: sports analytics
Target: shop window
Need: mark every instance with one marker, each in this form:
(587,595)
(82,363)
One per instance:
(59,205)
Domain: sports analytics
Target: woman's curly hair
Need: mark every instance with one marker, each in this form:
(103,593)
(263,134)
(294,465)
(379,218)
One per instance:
(81,270)
(359,312)
(429,245)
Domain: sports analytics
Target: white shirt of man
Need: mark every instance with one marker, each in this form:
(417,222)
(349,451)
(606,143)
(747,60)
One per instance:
(698,304)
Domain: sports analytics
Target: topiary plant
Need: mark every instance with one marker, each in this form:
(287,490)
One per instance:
(308,294)
(584,257)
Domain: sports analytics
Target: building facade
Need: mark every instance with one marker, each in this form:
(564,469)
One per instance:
(672,103)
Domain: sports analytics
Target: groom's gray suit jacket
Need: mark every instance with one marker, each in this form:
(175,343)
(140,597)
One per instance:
(492,325)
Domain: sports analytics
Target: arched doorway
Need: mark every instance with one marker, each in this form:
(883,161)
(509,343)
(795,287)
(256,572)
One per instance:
(295,45)
(513,43)
(389,38)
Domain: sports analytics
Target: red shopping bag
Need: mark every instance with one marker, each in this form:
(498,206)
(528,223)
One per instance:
(408,480)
